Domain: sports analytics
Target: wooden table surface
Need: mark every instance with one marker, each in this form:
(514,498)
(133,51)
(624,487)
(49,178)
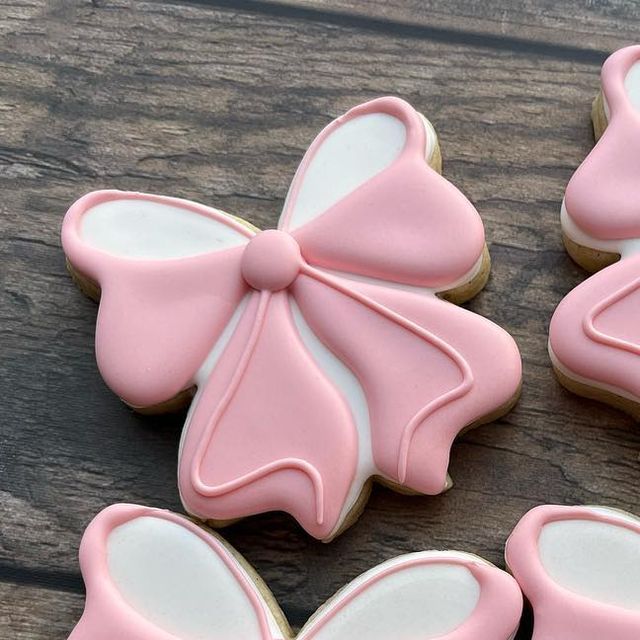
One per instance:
(216,101)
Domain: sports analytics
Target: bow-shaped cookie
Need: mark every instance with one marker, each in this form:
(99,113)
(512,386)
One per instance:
(154,575)
(321,354)
(594,337)
(580,569)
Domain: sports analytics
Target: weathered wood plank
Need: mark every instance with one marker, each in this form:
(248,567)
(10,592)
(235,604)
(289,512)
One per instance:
(35,613)
(503,23)
(218,105)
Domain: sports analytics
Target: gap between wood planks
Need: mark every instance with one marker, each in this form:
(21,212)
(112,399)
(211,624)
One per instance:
(581,55)
(58,580)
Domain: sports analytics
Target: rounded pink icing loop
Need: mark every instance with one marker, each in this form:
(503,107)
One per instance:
(271,261)
(602,195)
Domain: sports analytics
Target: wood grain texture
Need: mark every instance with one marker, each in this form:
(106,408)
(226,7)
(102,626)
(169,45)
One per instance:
(217,101)
(27,611)
(570,28)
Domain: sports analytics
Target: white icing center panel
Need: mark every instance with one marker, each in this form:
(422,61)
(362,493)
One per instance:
(632,85)
(176,581)
(351,155)
(143,229)
(594,559)
(421,601)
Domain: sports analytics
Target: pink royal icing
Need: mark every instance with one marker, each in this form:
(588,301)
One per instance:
(580,569)
(133,562)
(594,334)
(603,194)
(321,352)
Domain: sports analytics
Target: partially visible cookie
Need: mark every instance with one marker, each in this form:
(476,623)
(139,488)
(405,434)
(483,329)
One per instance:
(594,337)
(154,575)
(580,569)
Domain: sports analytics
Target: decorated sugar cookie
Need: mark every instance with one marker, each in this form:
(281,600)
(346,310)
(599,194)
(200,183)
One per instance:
(319,354)
(595,333)
(154,575)
(580,569)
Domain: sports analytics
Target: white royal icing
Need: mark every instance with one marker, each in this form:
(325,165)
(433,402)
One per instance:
(351,155)
(594,559)
(175,580)
(418,601)
(632,85)
(145,229)
(615,514)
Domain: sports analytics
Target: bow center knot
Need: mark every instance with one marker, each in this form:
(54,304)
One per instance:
(271,261)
